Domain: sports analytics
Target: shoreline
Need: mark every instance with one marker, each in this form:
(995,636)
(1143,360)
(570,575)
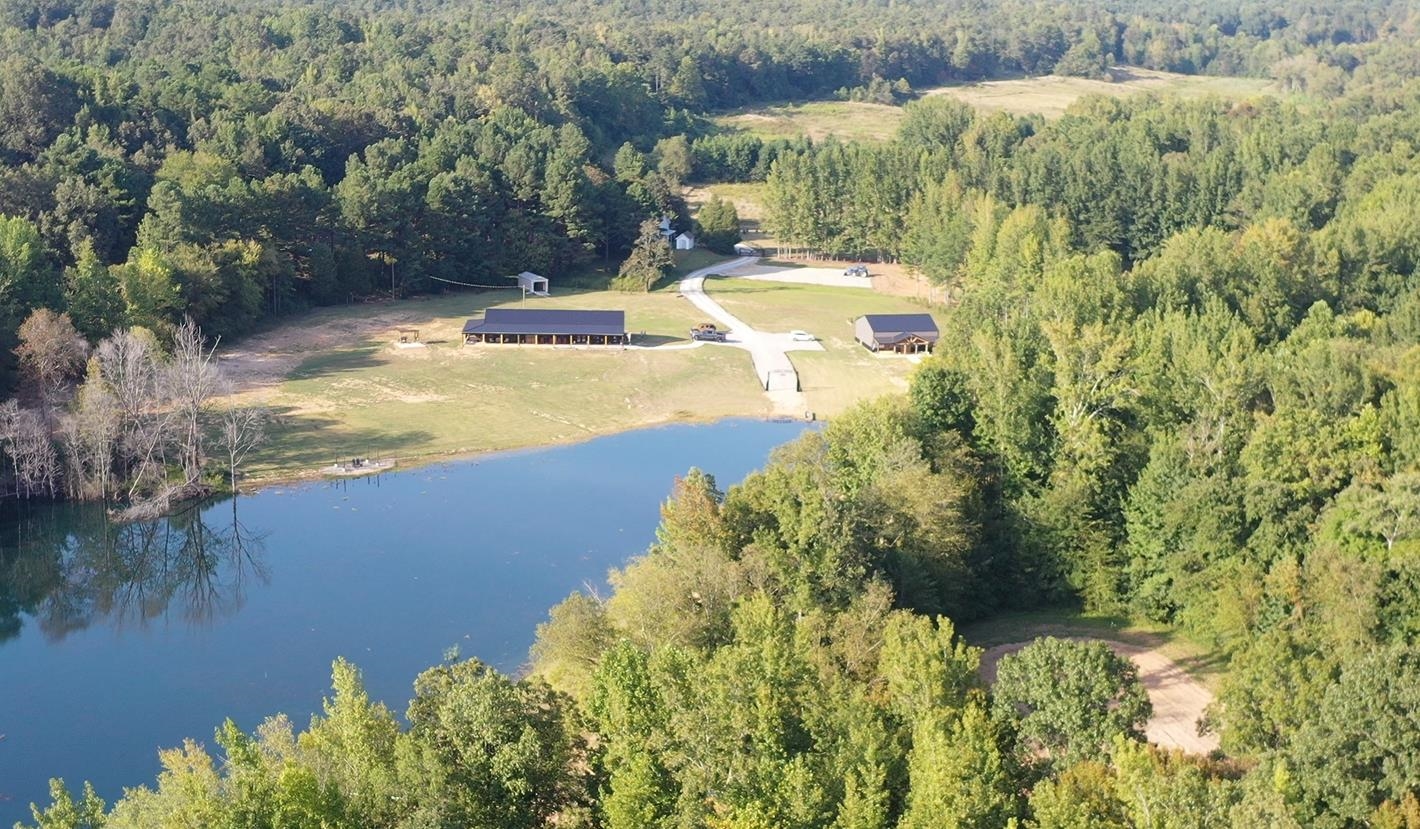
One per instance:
(286,478)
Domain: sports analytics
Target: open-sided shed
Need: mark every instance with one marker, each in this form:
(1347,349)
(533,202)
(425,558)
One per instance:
(901,333)
(546,326)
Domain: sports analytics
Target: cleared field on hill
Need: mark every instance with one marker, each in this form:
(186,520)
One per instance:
(1048,95)
(344,386)
(1051,95)
(847,120)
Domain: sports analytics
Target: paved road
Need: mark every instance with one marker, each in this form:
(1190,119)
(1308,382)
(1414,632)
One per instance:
(768,350)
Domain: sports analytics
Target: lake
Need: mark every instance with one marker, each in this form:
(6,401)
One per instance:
(118,640)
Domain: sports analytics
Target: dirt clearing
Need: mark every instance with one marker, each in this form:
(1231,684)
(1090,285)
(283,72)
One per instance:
(1179,700)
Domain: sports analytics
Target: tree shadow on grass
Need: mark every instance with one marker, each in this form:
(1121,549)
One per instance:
(304,442)
(337,362)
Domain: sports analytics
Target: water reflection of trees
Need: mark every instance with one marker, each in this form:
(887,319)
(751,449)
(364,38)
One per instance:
(69,567)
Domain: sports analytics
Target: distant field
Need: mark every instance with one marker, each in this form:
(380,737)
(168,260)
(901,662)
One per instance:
(1051,96)
(1048,95)
(818,120)
(845,372)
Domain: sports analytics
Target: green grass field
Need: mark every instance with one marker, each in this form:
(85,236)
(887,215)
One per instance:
(361,394)
(1048,95)
(844,372)
(344,386)
(845,120)
(367,401)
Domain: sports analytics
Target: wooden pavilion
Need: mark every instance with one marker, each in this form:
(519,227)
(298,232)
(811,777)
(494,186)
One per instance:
(541,326)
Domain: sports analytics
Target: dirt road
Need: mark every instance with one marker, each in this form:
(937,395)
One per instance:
(1179,700)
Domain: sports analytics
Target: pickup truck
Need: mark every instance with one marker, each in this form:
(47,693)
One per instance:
(708,332)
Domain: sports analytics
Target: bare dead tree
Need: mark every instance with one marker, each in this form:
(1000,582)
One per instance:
(9,414)
(191,381)
(242,429)
(27,443)
(130,365)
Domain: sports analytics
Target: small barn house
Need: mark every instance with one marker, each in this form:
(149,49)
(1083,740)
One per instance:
(684,241)
(900,333)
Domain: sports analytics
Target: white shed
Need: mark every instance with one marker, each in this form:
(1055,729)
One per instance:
(533,284)
(684,241)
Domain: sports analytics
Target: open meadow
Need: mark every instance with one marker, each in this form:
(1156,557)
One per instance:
(844,120)
(1047,95)
(1052,95)
(344,385)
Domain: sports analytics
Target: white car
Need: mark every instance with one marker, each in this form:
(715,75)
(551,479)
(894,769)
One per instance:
(801,336)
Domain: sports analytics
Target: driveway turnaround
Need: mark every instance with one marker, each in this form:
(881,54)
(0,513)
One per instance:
(769,350)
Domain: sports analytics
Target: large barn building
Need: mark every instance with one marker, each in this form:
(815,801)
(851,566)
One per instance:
(900,333)
(543,326)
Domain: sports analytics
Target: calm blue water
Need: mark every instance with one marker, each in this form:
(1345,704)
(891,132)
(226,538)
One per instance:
(115,641)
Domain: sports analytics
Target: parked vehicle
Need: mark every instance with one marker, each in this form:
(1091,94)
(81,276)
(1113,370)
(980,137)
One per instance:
(857,270)
(801,336)
(708,332)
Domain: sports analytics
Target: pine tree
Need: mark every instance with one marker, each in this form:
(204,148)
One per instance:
(650,259)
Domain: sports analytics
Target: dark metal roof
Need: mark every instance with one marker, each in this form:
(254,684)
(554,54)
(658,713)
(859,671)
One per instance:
(894,328)
(547,321)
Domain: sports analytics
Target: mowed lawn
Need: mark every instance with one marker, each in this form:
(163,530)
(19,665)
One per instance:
(844,372)
(371,397)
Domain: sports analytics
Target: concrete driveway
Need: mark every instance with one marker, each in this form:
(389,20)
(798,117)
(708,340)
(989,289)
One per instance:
(768,349)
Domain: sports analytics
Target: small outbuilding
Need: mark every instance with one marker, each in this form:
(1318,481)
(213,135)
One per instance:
(523,326)
(533,284)
(684,241)
(900,333)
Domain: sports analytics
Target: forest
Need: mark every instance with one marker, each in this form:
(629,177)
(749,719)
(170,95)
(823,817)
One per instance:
(1181,383)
